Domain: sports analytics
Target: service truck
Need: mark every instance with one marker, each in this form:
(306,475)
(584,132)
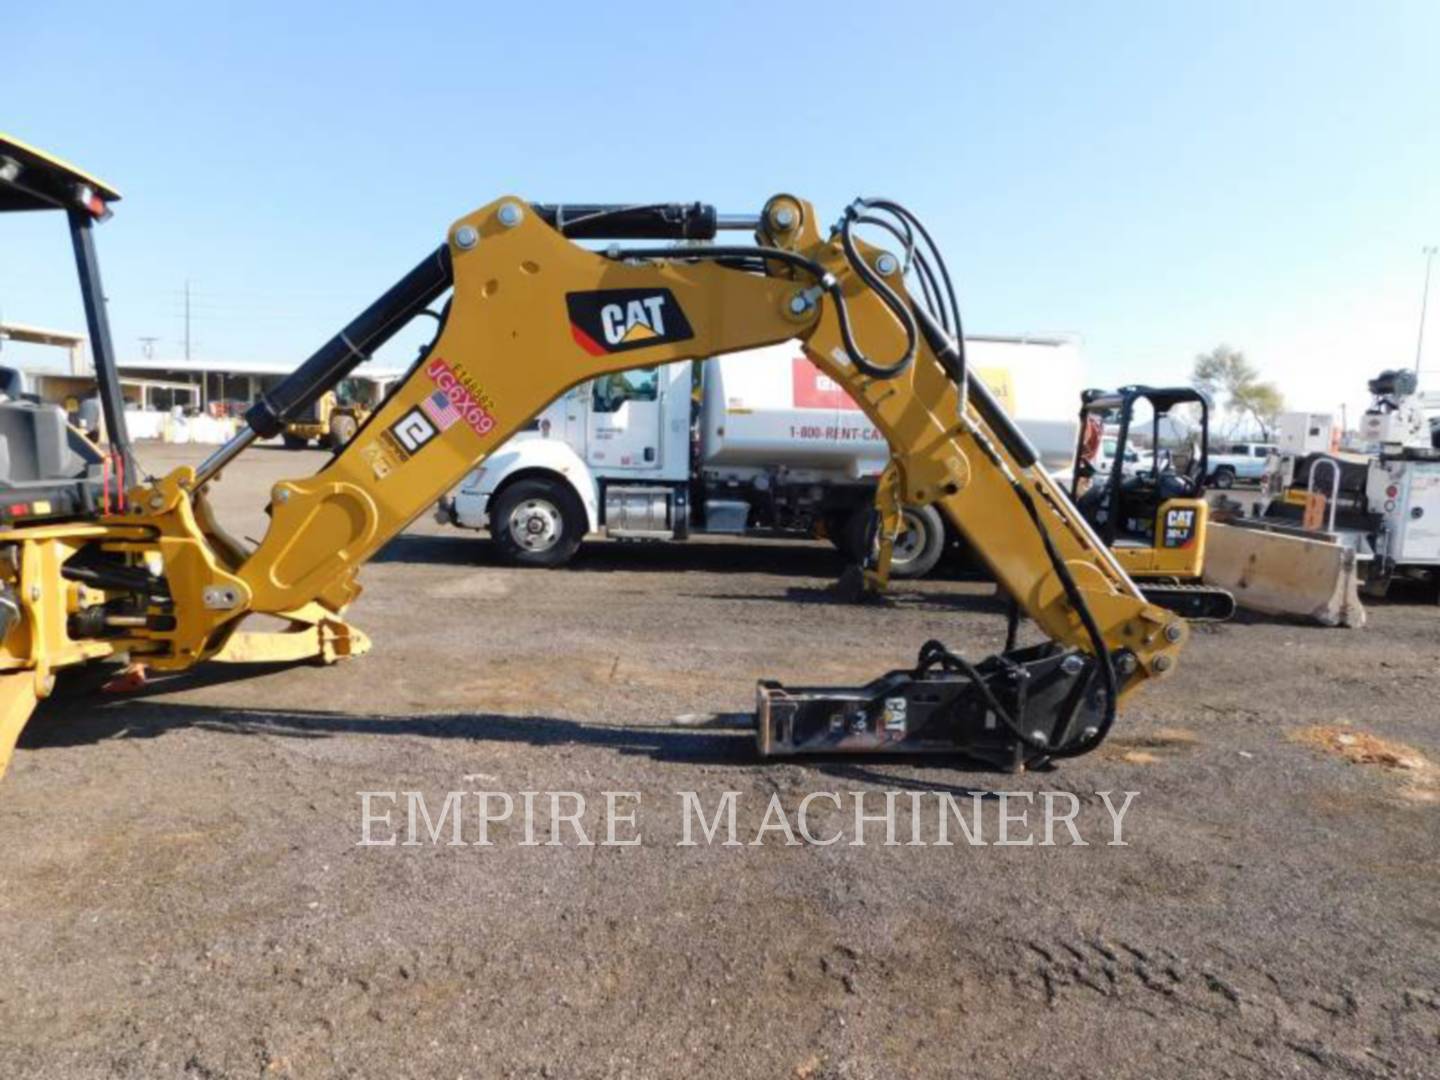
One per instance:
(755,441)
(1384,503)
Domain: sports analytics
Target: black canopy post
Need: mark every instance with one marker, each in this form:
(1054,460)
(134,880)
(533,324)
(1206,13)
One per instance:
(102,350)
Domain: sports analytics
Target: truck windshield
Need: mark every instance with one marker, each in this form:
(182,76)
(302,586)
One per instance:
(612,391)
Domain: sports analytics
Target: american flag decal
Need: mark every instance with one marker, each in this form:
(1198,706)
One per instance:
(439,408)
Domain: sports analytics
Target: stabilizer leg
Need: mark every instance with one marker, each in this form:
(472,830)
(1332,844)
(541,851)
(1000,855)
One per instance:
(314,633)
(17,702)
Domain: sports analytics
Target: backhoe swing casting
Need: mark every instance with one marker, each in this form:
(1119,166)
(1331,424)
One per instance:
(531,314)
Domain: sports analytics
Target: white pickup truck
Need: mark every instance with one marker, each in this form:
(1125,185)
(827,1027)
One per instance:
(1239,461)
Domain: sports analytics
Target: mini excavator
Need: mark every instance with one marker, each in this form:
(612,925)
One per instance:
(101,563)
(1155,519)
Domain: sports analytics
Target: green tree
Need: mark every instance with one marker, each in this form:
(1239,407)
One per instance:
(1225,374)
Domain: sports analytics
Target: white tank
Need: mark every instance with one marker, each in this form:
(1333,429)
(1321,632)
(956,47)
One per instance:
(771,406)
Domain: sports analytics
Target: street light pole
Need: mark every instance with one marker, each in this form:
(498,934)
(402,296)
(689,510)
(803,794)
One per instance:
(1429,252)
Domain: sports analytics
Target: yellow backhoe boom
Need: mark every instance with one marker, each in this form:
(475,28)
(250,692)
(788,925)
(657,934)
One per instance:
(533,313)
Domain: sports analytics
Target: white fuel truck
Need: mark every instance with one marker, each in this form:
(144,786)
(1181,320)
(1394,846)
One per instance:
(758,441)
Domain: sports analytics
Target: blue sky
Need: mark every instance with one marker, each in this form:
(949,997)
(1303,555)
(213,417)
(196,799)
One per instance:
(1155,177)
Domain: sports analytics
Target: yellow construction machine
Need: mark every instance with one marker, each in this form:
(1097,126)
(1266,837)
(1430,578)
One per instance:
(335,416)
(154,578)
(1152,513)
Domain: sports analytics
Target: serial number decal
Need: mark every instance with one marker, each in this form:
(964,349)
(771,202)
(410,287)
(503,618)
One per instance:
(460,397)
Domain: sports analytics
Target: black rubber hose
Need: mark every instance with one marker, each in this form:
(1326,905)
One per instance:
(1062,572)
(1087,619)
(928,287)
(900,211)
(933,652)
(1012,625)
(891,207)
(889,297)
(1076,600)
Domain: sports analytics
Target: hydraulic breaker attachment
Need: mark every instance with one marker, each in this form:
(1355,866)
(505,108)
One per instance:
(1278,570)
(1009,711)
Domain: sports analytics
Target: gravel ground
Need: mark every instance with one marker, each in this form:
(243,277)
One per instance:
(183,890)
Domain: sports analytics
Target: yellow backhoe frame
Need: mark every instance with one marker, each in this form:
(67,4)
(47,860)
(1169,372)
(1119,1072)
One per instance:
(504,351)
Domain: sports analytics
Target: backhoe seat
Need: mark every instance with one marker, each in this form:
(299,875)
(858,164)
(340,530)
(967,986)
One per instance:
(47,468)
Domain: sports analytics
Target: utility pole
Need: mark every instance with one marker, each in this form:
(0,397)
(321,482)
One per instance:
(1429,252)
(203,387)
(147,347)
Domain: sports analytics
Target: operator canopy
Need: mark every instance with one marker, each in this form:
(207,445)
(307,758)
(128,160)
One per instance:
(31,179)
(1162,399)
(47,468)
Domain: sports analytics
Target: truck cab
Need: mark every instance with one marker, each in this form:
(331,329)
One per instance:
(623,439)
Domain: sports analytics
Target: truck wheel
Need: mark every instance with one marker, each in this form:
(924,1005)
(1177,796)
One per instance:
(1224,478)
(920,544)
(917,549)
(537,523)
(295,442)
(342,430)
